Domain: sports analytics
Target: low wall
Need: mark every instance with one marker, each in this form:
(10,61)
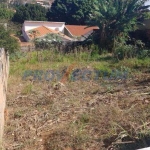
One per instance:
(4,70)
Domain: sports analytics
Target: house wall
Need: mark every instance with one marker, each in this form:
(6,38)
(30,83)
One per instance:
(29,25)
(25,36)
(66,32)
(147,148)
(4,69)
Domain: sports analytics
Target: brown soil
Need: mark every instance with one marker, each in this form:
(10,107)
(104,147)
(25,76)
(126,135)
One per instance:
(77,115)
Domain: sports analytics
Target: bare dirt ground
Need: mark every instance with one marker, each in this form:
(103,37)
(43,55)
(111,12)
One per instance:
(80,115)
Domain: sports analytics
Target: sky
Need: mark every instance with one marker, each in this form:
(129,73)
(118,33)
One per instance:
(148,2)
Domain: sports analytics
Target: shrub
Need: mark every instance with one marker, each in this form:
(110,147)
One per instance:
(143,53)
(7,41)
(133,49)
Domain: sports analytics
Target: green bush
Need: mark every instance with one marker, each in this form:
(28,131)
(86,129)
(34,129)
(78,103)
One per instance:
(144,53)
(124,50)
(5,13)
(7,41)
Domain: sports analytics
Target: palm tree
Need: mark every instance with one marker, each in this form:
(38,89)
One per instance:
(116,18)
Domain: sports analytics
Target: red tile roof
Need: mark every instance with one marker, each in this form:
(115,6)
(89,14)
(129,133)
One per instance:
(77,30)
(42,31)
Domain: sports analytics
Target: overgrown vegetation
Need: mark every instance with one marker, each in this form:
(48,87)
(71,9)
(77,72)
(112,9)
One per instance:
(115,18)
(7,41)
(75,114)
(5,13)
(103,113)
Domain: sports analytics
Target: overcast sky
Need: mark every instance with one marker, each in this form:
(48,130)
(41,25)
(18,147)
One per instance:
(148,2)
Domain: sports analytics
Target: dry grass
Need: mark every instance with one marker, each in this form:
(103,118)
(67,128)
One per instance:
(80,115)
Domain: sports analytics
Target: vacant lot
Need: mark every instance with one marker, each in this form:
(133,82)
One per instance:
(77,115)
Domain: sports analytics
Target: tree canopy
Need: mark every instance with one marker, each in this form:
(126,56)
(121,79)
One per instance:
(116,18)
(29,12)
(5,13)
(7,41)
(70,11)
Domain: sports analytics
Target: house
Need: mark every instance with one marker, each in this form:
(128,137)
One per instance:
(44,3)
(17,2)
(79,33)
(67,33)
(43,28)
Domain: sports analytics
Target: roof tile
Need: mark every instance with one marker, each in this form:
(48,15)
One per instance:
(77,30)
(42,31)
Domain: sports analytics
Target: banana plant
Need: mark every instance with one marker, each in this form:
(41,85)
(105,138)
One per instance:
(116,18)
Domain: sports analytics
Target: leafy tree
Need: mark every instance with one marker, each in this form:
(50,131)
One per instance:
(70,11)
(5,13)
(29,12)
(115,18)
(7,41)
(146,15)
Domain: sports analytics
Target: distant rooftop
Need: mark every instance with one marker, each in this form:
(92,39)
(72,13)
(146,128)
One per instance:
(43,22)
(77,30)
(42,31)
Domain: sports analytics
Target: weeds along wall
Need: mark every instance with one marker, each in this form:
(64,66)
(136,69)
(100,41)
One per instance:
(4,71)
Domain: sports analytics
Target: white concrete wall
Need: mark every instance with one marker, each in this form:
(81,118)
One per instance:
(29,25)
(4,69)
(26,37)
(148,148)
(66,32)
